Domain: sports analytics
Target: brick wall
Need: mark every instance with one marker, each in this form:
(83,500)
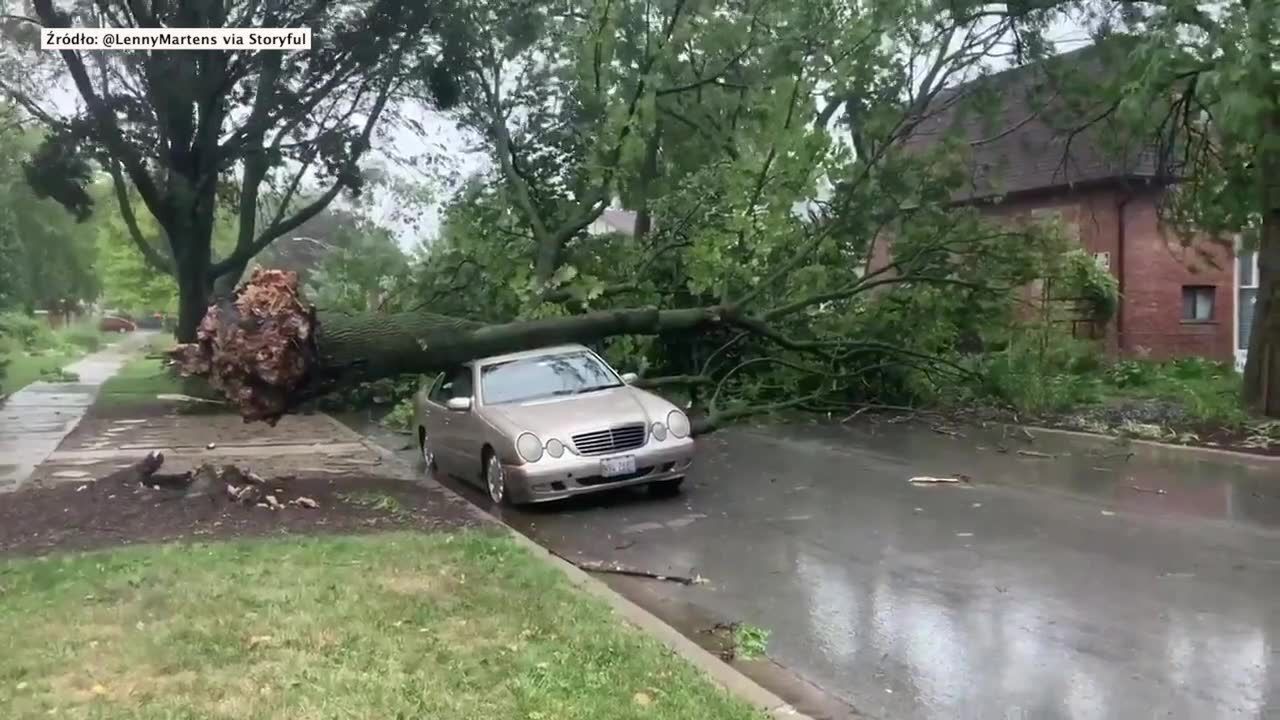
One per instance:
(1156,267)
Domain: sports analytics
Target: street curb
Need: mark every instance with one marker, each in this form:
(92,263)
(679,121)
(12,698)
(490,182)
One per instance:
(1191,449)
(720,672)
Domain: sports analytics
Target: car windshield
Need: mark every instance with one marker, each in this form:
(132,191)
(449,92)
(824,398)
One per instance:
(542,377)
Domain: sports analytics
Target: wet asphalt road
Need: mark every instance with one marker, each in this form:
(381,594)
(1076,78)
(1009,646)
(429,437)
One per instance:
(1064,587)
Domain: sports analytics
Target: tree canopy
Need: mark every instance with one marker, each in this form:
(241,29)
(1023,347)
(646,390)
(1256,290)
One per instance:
(46,257)
(269,137)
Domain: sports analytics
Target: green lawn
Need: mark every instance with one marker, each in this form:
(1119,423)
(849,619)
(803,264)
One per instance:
(139,381)
(43,352)
(24,369)
(402,625)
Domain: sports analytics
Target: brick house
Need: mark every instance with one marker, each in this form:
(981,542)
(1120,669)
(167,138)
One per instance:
(1175,299)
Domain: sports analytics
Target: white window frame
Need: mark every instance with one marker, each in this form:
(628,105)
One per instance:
(1240,353)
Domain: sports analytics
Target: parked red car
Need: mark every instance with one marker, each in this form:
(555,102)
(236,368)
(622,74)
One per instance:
(111,323)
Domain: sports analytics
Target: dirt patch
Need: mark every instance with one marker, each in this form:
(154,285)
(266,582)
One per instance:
(105,513)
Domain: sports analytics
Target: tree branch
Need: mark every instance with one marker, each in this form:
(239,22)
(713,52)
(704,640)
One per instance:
(149,252)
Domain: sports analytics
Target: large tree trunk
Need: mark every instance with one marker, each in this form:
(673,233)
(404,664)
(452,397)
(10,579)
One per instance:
(194,291)
(269,351)
(1262,369)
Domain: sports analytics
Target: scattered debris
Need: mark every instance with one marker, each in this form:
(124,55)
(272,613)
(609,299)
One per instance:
(964,534)
(928,480)
(241,486)
(1108,513)
(257,640)
(178,397)
(1034,454)
(211,446)
(740,641)
(946,431)
(1154,491)
(642,699)
(599,566)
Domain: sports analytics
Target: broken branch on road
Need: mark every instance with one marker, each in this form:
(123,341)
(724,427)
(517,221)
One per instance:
(613,568)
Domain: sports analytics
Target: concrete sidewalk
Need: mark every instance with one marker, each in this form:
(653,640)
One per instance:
(36,418)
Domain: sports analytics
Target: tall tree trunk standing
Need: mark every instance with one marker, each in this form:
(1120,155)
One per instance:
(194,292)
(1262,368)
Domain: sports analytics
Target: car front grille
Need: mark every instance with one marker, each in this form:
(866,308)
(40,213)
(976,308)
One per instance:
(601,442)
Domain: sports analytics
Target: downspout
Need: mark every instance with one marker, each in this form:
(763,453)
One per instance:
(1123,203)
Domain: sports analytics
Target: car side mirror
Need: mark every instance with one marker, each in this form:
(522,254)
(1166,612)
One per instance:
(630,378)
(459,404)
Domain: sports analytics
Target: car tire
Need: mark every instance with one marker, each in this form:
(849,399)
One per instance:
(428,455)
(665,488)
(495,484)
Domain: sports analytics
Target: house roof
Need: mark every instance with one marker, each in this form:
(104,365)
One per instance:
(618,220)
(1030,127)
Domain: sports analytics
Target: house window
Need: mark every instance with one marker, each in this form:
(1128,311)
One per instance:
(1197,303)
(1247,297)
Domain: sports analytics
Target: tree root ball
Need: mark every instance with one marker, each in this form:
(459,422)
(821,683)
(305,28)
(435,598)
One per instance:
(258,347)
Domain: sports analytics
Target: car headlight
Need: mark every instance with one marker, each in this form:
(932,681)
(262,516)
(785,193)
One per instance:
(659,432)
(529,447)
(678,424)
(555,448)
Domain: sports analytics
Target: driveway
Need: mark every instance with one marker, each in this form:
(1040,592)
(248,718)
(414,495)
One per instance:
(1073,581)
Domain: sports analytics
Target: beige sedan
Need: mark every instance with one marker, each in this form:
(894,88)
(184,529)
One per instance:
(547,424)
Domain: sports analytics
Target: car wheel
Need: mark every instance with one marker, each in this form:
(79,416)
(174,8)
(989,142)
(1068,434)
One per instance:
(495,481)
(665,488)
(428,455)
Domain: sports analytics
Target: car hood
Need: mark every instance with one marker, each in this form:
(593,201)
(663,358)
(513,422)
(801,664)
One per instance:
(561,417)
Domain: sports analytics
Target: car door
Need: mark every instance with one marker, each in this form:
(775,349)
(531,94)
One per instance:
(458,428)
(431,412)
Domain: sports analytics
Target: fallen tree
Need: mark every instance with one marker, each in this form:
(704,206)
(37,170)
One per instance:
(268,350)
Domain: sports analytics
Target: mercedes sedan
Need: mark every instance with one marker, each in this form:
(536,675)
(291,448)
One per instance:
(547,424)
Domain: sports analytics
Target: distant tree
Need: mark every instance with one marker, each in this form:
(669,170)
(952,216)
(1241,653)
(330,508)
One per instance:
(188,133)
(361,267)
(46,257)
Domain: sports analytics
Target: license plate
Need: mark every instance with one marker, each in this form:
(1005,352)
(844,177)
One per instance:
(613,467)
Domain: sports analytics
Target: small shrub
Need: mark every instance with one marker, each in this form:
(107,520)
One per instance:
(30,332)
(1130,374)
(82,336)
(400,418)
